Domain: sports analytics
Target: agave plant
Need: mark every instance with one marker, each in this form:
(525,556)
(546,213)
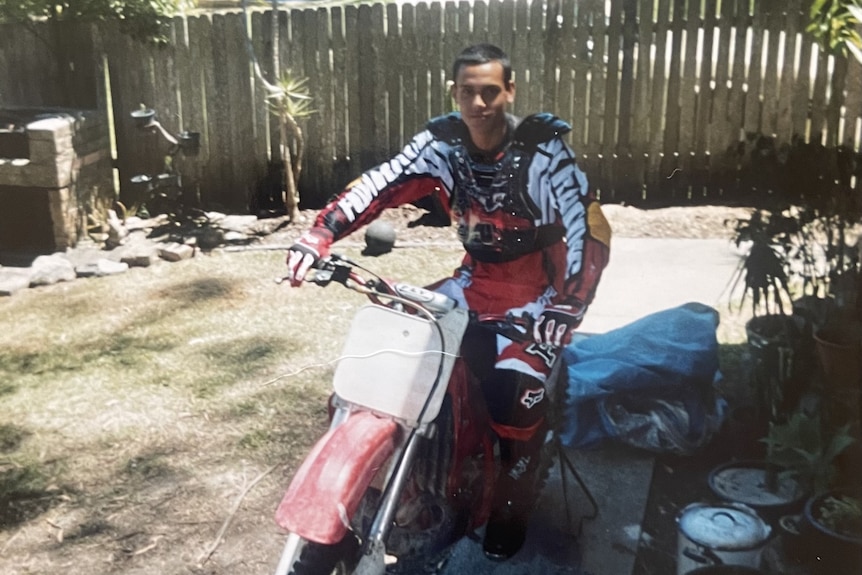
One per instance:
(290,102)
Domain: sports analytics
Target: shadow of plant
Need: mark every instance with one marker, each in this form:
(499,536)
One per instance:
(239,359)
(11,437)
(23,495)
(198,290)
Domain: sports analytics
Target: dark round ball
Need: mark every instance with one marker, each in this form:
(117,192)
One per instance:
(379,238)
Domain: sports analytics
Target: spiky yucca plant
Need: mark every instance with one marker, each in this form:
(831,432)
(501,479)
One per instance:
(291,102)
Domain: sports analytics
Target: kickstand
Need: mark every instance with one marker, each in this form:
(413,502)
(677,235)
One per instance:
(567,465)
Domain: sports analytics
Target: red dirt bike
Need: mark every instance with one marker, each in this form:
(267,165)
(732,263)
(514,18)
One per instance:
(408,464)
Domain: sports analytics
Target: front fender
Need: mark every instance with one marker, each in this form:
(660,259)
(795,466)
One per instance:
(327,489)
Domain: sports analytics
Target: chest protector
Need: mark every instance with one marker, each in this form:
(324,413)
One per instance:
(497,219)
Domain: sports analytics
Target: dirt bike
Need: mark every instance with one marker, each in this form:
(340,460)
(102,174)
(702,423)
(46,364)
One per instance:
(408,464)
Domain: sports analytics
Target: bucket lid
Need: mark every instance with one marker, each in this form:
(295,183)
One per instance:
(723,527)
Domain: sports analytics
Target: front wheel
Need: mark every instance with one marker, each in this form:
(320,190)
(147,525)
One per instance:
(302,557)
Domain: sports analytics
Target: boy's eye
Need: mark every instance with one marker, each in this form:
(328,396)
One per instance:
(488,93)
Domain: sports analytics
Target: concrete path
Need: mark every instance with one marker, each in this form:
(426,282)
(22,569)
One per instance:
(644,276)
(647,275)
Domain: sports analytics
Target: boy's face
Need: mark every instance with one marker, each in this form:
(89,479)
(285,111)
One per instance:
(483,96)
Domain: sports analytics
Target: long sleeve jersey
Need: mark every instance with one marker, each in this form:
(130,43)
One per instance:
(528,222)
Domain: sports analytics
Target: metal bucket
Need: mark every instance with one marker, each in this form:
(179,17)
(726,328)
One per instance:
(724,534)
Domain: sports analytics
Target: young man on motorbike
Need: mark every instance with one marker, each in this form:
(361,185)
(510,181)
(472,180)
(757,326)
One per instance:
(536,242)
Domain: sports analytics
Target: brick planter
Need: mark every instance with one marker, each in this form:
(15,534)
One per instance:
(62,174)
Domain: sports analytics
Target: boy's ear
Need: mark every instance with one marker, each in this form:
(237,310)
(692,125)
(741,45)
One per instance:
(510,92)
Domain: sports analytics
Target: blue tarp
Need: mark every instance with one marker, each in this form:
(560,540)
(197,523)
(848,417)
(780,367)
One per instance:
(649,384)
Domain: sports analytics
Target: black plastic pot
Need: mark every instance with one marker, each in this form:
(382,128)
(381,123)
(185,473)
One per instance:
(793,547)
(144,117)
(749,483)
(190,142)
(775,342)
(835,553)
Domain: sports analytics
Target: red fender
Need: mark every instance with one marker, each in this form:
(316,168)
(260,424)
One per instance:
(329,485)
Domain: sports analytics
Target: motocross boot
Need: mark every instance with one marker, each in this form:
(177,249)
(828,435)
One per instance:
(506,530)
(515,494)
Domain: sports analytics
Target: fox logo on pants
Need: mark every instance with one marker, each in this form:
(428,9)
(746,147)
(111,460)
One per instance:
(531,397)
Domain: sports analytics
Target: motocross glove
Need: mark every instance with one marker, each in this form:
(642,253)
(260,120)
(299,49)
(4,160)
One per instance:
(311,246)
(556,323)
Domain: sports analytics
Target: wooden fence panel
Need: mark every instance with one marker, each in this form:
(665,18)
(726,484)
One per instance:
(218,109)
(784,123)
(261,39)
(423,51)
(536,55)
(852,135)
(753,114)
(660,93)
(565,60)
(29,74)
(736,98)
(801,78)
(438,66)
(657,104)
(771,83)
(411,121)
(700,169)
(201,54)
(519,63)
(394,68)
(354,97)
(721,135)
(138,152)
(190,104)
(327,84)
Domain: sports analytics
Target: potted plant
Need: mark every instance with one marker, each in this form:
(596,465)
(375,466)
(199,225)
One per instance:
(774,338)
(803,448)
(803,244)
(833,531)
(800,460)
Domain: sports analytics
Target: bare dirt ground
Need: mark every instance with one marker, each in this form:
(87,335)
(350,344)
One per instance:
(191,506)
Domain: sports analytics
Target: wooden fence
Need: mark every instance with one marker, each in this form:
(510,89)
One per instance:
(660,93)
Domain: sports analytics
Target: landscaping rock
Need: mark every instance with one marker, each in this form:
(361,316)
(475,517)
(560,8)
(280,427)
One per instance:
(139,259)
(117,231)
(209,238)
(48,270)
(236,223)
(235,238)
(102,267)
(13,280)
(175,252)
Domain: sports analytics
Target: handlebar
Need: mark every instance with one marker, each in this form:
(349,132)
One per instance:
(407,297)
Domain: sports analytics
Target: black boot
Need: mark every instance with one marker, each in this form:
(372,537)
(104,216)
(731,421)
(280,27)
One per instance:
(516,406)
(514,496)
(506,529)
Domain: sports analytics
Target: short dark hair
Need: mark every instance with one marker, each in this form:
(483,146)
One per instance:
(482,54)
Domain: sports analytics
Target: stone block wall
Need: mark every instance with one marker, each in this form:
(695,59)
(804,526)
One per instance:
(46,197)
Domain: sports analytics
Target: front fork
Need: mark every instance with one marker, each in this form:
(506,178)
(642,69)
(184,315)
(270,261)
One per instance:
(374,547)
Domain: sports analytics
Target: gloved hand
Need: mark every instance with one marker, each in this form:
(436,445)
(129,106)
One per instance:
(557,322)
(308,249)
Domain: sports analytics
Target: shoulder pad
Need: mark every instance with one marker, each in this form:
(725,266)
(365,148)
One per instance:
(539,128)
(448,128)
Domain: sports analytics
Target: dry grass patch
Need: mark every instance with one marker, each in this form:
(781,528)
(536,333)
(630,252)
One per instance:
(136,408)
